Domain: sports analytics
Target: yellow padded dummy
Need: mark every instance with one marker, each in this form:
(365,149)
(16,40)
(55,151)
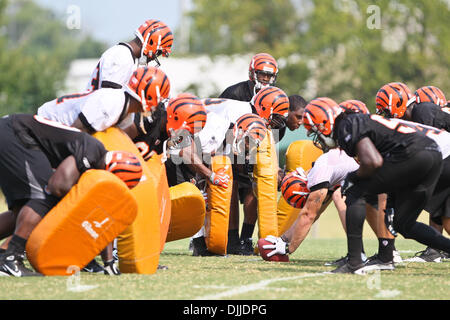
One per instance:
(94,212)
(159,169)
(301,153)
(218,211)
(265,174)
(139,245)
(188,211)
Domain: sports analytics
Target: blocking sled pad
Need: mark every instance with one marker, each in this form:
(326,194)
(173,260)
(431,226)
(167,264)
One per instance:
(94,212)
(301,153)
(139,245)
(188,211)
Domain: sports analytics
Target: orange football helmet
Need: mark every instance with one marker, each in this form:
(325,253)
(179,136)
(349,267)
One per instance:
(150,86)
(263,63)
(294,188)
(271,103)
(249,128)
(431,94)
(355,106)
(124,165)
(156,38)
(185,111)
(318,120)
(393,98)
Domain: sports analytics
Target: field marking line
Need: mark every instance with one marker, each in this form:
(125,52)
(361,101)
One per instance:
(256,286)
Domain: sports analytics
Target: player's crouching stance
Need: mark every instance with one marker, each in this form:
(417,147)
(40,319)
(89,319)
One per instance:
(32,147)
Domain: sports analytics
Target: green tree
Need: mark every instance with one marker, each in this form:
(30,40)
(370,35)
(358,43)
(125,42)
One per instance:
(252,26)
(36,50)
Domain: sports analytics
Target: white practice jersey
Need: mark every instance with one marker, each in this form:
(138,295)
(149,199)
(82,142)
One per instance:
(116,66)
(99,109)
(227,108)
(332,168)
(213,133)
(441,137)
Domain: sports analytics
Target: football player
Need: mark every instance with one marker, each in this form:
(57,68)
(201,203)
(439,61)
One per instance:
(153,39)
(98,110)
(40,162)
(395,158)
(424,106)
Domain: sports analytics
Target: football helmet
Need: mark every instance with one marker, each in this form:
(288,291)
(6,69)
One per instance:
(355,106)
(431,94)
(294,188)
(393,98)
(124,165)
(156,39)
(248,132)
(318,120)
(272,104)
(186,116)
(263,64)
(150,86)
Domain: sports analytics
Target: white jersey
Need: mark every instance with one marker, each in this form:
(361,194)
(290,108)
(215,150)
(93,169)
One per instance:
(227,108)
(441,137)
(98,110)
(213,133)
(115,67)
(330,169)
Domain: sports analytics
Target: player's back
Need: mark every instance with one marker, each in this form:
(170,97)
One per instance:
(227,108)
(101,108)
(114,69)
(432,115)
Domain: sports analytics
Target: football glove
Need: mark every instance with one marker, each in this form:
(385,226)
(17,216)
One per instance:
(279,246)
(111,269)
(220,177)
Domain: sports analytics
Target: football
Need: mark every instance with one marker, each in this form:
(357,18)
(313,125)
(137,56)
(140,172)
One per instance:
(264,252)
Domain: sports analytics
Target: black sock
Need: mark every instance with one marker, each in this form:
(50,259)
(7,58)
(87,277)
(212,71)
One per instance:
(385,249)
(354,219)
(16,245)
(233,236)
(247,231)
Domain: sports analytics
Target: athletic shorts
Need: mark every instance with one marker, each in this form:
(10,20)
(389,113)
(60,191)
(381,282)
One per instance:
(439,204)
(243,180)
(24,173)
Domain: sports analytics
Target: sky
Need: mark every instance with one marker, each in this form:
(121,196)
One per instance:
(113,21)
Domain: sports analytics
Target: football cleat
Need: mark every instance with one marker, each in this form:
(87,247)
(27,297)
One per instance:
(12,266)
(93,267)
(246,247)
(348,268)
(111,269)
(397,257)
(343,260)
(374,263)
(200,249)
(427,255)
(445,256)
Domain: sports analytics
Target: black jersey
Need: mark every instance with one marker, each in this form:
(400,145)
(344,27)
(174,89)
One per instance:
(393,140)
(242,91)
(432,115)
(58,141)
(151,132)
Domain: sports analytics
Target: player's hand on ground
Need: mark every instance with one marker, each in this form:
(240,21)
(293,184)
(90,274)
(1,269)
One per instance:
(278,246)
(111,269)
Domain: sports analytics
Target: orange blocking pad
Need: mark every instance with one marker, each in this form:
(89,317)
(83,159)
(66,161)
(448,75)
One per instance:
(91,215)
(265,173)
(301,153)
(139,245)
(188,211)
(159,169)
(218,212)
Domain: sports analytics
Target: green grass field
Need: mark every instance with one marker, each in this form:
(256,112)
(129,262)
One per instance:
(251,278)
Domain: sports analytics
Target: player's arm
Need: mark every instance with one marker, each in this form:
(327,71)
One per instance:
(369,158)
(83,125)
(64,178)
(300,229)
